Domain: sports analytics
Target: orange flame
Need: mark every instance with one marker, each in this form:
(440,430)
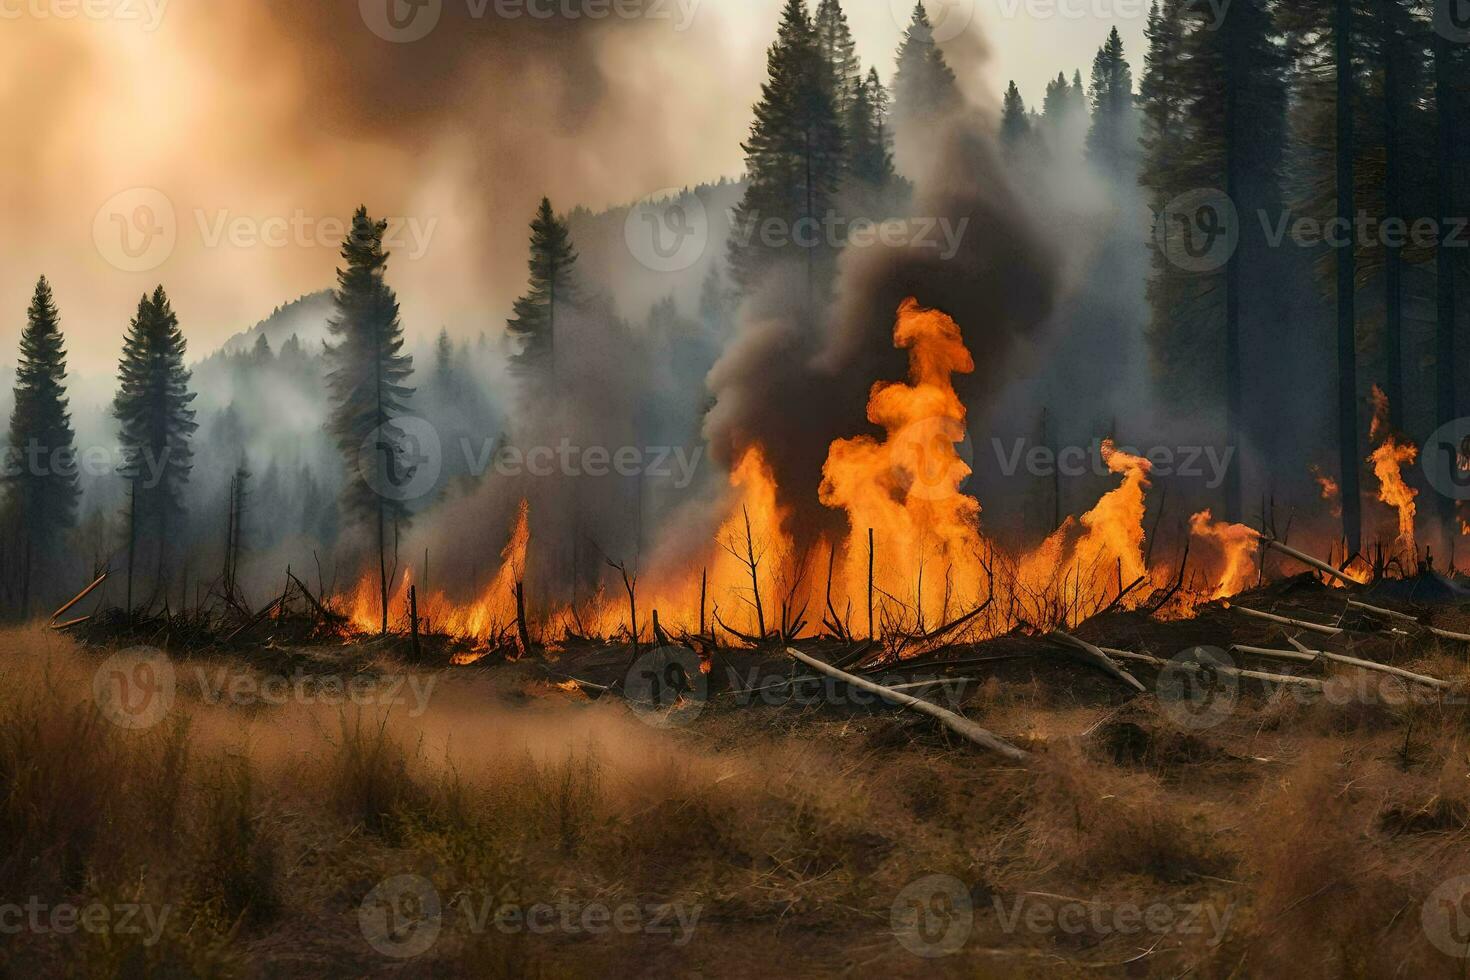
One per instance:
(1389,459)
(1237,545)
(906,486)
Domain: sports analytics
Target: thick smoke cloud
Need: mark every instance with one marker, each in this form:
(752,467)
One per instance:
(794,386)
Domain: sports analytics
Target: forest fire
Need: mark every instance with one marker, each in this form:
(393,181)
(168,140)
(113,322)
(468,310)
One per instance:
(914,558)
(1389,457)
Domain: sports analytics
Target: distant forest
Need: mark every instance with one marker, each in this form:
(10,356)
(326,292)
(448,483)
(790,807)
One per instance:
(1181,185)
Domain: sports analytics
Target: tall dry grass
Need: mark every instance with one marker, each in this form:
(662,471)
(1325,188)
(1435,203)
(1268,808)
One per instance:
(1321,828)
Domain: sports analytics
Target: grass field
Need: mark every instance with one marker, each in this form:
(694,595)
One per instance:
(487,823)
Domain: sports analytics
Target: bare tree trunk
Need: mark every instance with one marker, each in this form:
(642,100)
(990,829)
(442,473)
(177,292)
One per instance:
(1447,104)
(132,537)
(1347,340)
(383,569)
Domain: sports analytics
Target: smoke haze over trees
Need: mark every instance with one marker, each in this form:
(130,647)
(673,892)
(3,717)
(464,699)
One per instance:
(1064,277)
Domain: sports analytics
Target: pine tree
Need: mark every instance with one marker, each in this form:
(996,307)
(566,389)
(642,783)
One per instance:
(41,480)
(443,358)
(1112,142)
(869,162)
(366,382)
(925,84)
(1015,123)
(156,424)
(552,264)
(794,160)
(834,40)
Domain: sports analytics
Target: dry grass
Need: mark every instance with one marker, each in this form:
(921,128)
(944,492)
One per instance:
(1314,831)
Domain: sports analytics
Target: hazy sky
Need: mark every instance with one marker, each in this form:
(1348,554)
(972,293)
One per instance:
(216,146)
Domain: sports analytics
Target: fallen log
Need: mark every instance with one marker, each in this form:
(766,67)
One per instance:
(1380,611)
(960,725)
(1097,657)
(1284,621)
(1308,560)
(80,596)
(1255,675)
(1407,675)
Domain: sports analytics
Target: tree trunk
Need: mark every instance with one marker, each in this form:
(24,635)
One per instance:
(132,538)
(1446,104)
(1393,301)
(1232,273)
(1347,340)
(382,570)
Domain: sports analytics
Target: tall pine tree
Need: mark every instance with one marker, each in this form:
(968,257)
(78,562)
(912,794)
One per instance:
(1113,140)
(834,39)
(1015,123)
(156,424)
(366,382)
(925,84)
(533,323)
(41,480)
(794,161)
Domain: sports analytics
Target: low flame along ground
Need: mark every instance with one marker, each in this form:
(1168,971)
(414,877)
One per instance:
(934,562)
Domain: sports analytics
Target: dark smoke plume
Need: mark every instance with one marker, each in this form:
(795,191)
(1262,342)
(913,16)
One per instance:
(794,386)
